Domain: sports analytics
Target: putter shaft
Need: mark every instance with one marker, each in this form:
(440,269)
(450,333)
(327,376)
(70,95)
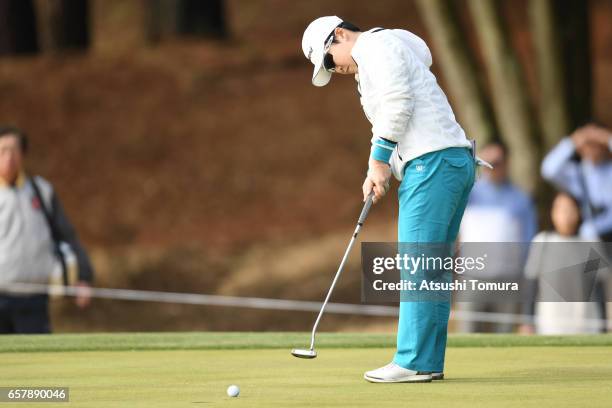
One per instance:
(362,217)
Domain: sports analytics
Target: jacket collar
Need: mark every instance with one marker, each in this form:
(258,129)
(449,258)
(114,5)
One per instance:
(358,50)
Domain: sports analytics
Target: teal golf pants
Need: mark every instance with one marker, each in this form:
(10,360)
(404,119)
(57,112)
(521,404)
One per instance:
(432,199)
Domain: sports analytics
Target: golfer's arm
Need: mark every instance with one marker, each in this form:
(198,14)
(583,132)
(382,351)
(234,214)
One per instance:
(396,103)
(381,151)
(390,125)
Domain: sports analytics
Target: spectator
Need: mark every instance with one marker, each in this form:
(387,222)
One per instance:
(497,211)
(27,245)
(556,264)
(581,165)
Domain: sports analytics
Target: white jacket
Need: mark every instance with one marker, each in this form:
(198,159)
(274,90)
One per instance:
(401,97)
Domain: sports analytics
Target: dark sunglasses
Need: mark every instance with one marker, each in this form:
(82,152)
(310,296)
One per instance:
(328,63)
(328,59)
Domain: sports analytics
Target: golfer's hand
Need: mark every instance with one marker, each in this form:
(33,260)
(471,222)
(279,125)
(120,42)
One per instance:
(379,175)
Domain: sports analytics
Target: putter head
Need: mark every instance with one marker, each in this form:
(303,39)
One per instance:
(299,353)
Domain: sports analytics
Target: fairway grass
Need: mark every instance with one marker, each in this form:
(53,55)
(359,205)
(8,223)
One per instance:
(194,370)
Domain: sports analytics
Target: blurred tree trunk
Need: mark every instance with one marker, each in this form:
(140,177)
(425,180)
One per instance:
(509,93)
(17,27)
(573,18)
(554,110)
(202,18)
(63,24)
(160,19)
(165,18)
(459,69)
(561,38)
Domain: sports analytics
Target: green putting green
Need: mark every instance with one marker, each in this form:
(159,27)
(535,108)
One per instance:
(194,369)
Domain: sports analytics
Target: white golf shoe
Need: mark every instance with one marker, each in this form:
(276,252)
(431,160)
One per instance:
(392,373)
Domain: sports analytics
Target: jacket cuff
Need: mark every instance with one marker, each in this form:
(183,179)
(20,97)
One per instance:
(382,150)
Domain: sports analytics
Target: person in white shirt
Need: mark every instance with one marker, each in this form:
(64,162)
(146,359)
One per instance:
(416,138)
(557,264)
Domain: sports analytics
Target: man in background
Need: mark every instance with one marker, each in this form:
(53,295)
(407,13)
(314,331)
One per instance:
(582,166)
(29,240)
(497,211)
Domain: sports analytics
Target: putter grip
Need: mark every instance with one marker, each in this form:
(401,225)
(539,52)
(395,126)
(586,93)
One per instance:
(366,209)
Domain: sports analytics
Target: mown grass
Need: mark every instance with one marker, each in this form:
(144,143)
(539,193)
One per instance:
(264,340)
(496,377)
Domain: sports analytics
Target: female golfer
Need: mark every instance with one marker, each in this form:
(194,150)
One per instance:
(416,138)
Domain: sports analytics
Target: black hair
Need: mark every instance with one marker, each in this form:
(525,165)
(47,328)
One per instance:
(349,26)
(7,130)
(592,121)
(576,203)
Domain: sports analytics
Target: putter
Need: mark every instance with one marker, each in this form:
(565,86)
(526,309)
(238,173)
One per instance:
(311,353)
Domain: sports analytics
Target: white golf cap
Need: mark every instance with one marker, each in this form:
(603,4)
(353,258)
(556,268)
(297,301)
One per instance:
(313,44)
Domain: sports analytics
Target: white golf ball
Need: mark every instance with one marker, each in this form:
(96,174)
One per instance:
(233,391)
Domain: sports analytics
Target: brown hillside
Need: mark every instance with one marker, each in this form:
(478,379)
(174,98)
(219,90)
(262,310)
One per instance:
(179,164)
